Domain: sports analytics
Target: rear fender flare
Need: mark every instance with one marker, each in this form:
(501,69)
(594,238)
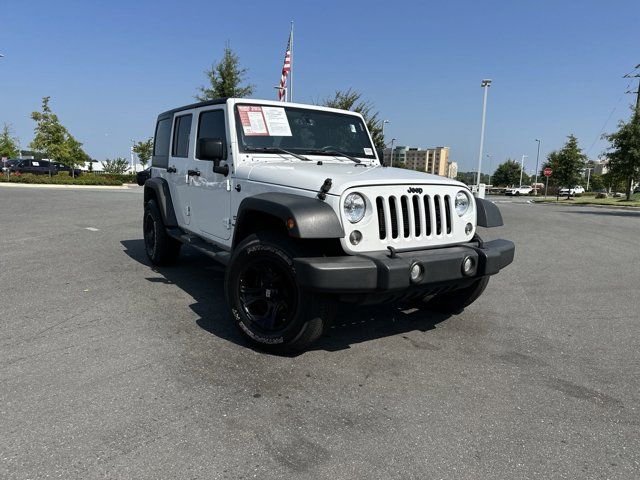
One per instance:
(159,188)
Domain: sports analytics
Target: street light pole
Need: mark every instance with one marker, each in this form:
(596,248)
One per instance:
(486,83)
(522,168)
(588,177)
(393,140)
(535,186)
(384,122)
(133,170)
(490,157)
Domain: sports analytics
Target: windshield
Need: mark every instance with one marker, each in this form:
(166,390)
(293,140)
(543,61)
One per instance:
(302,131)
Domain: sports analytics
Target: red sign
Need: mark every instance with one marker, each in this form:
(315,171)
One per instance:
(547,172)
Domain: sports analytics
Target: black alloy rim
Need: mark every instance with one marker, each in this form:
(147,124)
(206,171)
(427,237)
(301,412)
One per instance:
(268,295)
(149,232)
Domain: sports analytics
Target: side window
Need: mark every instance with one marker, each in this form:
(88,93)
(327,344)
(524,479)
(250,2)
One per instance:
(181,131)
(161,144)
(212,125)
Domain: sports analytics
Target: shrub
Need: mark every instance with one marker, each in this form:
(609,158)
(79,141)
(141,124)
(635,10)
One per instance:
(86,179)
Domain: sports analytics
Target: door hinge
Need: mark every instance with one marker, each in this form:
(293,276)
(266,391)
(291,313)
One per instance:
(228,184)
(227,223)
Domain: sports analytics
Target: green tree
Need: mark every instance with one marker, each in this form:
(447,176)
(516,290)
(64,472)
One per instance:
(566,164)
(54,140)
(351,100)
(144,150)
(116,166)
(624,153)
(50,136)
(469,178)
(508,174)
(225,79)
(8,144)
(76,157)
(596,182)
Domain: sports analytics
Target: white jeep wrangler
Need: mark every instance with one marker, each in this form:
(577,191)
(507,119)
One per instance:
(293,199)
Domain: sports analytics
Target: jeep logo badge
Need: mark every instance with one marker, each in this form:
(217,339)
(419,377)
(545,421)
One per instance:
(414,190)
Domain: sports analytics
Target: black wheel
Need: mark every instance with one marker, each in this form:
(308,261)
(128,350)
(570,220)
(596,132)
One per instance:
(457,300)
(160,247)
(266,301)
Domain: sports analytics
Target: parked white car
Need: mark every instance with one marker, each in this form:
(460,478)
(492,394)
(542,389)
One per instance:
(572,191)
(521,190)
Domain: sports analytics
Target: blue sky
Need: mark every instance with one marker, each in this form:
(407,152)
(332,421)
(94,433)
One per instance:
(111,67)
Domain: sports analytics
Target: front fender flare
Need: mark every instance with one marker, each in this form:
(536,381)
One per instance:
(312,217)
(488,214)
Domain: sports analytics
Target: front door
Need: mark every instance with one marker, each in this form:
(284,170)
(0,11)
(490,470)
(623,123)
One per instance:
(209,192)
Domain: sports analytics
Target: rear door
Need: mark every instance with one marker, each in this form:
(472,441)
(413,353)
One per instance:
(179,165)
(210,192)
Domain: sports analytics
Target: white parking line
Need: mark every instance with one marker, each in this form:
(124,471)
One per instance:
(91,229)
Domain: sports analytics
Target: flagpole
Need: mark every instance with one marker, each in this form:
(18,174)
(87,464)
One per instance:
(290,89)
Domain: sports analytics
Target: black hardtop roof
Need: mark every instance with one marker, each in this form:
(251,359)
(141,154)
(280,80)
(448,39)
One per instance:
(215,101)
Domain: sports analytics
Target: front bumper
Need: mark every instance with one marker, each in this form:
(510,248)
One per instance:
(385,272)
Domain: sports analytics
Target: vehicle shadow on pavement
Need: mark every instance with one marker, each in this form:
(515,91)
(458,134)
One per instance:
(356,324)
(203,279)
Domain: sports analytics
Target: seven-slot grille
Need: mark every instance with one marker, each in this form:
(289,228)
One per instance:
(413,216)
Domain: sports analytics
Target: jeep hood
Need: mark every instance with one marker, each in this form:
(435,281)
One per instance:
(310,175)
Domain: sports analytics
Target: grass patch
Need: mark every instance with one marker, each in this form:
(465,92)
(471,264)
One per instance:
(63,179)
(612,202)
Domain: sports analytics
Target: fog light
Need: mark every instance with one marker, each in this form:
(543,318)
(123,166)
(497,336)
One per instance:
(468,228)
(415,272)
(468,266)
(355,237)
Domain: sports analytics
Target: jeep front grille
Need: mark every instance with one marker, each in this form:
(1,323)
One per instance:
(413,216)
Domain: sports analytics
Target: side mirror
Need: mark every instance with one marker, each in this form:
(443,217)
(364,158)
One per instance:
(213,149)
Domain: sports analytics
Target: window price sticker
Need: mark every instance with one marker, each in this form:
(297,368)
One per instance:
(265,121)
(252,119)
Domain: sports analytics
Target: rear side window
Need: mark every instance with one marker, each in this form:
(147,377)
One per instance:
(161,144)
(181,131)
(212,125)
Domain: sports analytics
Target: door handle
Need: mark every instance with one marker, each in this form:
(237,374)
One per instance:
(171,170)
(193,173)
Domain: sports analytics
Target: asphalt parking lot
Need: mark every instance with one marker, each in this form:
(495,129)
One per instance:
(110,368)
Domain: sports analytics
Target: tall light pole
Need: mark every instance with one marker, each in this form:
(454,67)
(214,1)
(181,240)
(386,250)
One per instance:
(133,170)
(522,168)
(588,176)
(535,185)
(384,122)
(490,157)
(393,140)
(486,83)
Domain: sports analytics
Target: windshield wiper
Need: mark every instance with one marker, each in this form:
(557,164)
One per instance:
(336,153)
(276,150)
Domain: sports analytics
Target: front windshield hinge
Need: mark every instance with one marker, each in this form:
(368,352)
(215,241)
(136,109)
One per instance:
(324,189)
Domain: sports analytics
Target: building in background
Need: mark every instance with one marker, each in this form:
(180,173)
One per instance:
(600,166)
(452,170)
(399,155)
(430,160)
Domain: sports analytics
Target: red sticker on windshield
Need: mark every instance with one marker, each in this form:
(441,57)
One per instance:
(252,119)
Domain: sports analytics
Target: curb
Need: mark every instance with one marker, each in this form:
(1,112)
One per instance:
(63,187)
(593,205)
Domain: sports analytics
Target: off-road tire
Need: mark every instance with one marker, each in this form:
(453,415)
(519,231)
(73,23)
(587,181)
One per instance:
(161,248)
(308,312)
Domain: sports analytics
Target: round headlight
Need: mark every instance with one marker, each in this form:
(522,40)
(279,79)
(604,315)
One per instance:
(462,203)
(354,207)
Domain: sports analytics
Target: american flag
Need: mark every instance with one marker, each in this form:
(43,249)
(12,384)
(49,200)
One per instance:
(286,69)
